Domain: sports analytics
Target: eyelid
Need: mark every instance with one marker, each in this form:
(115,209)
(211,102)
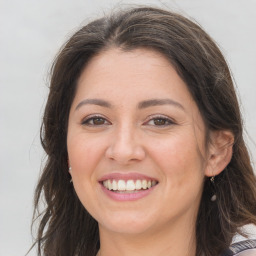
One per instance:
(92,116)
(160,116)
(170,120)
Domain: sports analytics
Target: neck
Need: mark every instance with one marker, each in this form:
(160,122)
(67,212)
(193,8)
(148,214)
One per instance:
(175,240)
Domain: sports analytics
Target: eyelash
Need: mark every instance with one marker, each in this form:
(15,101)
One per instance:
(167,121)
(87,120)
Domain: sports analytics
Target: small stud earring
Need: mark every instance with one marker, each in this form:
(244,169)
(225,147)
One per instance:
(70,169)
(214,197)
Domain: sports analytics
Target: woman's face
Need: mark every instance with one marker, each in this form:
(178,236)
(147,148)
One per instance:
(136,143)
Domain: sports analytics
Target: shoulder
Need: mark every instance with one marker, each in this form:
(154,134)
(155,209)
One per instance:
(243,248)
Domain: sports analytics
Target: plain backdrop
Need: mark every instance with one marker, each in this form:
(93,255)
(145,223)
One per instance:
(31,33)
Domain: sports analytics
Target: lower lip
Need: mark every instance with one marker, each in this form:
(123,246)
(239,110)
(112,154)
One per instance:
(127,196)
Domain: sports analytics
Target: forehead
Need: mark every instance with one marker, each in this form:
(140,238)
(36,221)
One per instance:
(139,72)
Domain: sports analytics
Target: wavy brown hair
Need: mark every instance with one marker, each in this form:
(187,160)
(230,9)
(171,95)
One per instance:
(65,227)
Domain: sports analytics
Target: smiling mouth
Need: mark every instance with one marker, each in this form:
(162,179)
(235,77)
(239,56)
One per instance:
(128,186)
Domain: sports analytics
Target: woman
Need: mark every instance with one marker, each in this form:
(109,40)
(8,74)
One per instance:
(143,135)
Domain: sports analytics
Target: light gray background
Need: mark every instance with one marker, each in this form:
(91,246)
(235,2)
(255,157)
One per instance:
(31,32)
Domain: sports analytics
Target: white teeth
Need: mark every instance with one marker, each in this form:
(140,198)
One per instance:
(129,185)
(109,184)
(144,184)
(121,185)
(114,185)
(138,184)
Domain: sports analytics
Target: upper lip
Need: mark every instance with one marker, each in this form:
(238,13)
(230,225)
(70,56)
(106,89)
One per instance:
(126,176)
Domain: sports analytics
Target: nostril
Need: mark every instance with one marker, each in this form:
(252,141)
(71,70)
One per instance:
(125,153)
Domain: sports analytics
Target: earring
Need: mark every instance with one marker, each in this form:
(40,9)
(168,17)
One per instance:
(214,197)
(70,169)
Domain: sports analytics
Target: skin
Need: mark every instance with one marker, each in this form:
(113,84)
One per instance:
(166,142)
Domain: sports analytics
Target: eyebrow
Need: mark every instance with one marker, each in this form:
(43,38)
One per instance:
(159,102)
(98,102)
(141,105)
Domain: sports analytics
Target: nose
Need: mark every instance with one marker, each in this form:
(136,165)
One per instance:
(125,146)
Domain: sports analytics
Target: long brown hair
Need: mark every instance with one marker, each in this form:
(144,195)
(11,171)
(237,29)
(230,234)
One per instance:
(65,227)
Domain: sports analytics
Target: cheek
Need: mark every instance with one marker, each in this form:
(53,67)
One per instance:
(180,160)
(84,153)
(84,157)
(181,169)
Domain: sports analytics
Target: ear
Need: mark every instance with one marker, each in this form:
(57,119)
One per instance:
(219,152)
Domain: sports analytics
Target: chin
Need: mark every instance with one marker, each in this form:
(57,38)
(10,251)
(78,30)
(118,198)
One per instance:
(126,224)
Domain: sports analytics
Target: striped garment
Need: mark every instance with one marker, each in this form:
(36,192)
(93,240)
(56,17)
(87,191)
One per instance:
(243,248)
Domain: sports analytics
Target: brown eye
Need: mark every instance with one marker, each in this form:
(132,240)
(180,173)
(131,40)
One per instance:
(98,121)
(160,121)
(95,121)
